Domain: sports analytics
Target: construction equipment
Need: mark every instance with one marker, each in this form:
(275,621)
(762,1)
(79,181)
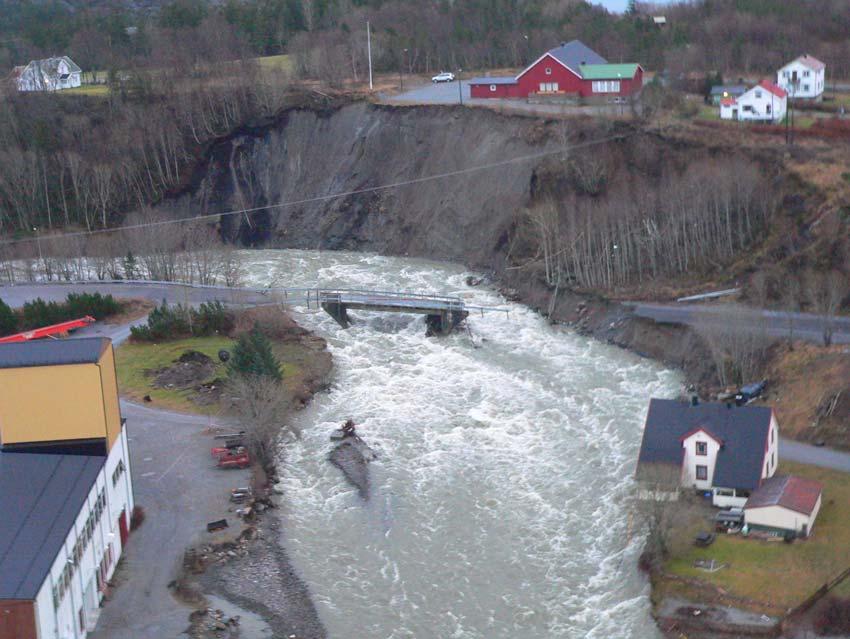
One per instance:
(234,458)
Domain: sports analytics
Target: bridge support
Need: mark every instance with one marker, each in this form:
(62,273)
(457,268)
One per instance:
(339,312)
(444,322)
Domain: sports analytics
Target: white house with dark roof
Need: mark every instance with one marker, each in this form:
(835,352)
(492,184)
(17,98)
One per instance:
(725,449)
(804,77)
(50,74)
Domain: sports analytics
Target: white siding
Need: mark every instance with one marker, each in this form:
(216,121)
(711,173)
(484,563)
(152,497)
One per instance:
(728,501)
(63,622)
(771,457)
(691,460)
(781,517)
(809,85)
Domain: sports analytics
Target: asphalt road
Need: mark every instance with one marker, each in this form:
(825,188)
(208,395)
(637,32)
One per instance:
(814,455)
(804,326)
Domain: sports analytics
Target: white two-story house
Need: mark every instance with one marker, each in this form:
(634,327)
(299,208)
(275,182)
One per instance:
(723,449)
(803,78)
(765,102)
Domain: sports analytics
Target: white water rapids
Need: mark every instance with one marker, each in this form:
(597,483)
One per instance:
(500,498)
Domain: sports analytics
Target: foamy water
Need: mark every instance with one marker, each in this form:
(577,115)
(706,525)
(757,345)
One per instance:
(500,498)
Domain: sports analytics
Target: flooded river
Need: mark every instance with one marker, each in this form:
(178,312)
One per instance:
(499,503)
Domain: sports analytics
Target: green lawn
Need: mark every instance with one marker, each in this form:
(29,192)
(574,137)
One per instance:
(777,574)
(281,62)
(134,358)
(95,90)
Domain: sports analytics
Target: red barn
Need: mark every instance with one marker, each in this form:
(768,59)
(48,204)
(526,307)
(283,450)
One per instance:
(571,69)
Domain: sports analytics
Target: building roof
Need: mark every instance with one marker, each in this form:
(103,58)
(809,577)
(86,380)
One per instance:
(608,71)
(731,89)
(52,352)
(809,61)
(40,498)
(574,54)
(728,101)
(775,90)
(743,430)
(50,66)
(494,80)
(794,493)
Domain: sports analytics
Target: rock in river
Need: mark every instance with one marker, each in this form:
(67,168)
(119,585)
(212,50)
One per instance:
(352,457)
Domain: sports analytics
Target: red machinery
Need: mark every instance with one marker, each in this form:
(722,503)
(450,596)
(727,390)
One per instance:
(234,458)
(54,330)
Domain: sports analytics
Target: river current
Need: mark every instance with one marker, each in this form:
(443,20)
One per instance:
(501,494)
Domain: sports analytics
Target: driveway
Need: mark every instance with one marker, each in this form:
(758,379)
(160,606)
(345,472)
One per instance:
(814,455)
(448,93)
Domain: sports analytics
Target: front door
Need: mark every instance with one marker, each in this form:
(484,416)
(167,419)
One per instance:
(122,528)
(734,114)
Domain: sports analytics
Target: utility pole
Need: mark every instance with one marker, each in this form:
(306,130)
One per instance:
(460,86)
(401,68)
(369,51)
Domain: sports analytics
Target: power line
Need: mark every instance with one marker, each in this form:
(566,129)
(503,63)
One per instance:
(333,196)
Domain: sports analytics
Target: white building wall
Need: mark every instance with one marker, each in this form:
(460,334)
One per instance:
(759,104)
(691,460)
(63,622)
(780,517)
(810,83)
(771,456)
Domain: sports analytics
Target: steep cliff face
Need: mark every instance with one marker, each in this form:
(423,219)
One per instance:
(307,154)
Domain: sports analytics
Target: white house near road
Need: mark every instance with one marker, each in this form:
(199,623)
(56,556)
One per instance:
(784,504)
(50,74)
(723,449)
(803,78)
(765,102)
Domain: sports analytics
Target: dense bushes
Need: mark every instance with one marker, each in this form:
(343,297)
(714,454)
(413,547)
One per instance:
(171,322)
(833,617)
(8,319)
(253,357)
(39,313)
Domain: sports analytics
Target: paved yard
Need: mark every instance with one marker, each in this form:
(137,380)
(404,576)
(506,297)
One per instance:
(448,93)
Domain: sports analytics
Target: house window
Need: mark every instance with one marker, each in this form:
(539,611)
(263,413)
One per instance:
(605,86)
(548,87)
(492,87)
(806,74)
(702,472)
(805,87)
(758,94)
(548,70)
(748,108)
(702,448)
(724,492)
(768,108)
(784,74)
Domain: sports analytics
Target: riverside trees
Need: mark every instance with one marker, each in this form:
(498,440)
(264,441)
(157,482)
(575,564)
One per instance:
(696,220)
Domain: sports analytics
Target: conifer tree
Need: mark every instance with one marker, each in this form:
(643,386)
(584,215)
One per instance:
(253,357)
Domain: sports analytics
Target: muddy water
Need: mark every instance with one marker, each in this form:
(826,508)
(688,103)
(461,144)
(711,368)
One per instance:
(499,499)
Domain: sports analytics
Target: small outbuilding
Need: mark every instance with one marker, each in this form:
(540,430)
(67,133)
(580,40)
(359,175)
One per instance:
(784,504)
(723,91)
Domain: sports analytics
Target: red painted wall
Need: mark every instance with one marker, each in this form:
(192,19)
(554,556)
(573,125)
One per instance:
(17,620)
(568,82)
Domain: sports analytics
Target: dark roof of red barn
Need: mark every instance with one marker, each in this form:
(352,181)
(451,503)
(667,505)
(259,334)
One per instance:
(743,430)
(794,493)
(573,54)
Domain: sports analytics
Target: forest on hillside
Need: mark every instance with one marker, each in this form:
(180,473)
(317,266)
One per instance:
(328,36)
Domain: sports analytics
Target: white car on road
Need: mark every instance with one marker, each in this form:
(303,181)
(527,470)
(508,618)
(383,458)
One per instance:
(443,76)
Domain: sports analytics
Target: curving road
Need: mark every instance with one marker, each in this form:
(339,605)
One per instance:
(804,326)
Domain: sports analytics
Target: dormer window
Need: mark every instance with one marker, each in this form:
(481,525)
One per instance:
(702,448)
(548,70)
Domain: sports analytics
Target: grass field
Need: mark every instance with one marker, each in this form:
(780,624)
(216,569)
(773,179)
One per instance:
(777,574)
(133,359)
(283,62)
(94,90)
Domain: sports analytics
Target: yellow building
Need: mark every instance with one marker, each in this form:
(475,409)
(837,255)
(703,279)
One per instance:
(59,392)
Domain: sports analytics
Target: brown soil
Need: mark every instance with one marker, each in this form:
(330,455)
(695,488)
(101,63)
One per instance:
(134,308)
(190,370)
